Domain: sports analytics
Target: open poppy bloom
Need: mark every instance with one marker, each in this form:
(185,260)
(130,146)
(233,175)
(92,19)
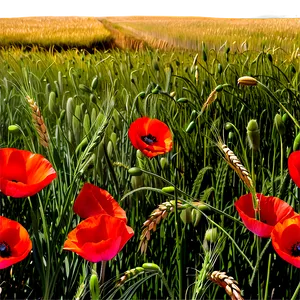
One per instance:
(99,238)
(286,240)
(294,167)
(151,136)
(15,243)
(93,200)
(271,211)
(23,173)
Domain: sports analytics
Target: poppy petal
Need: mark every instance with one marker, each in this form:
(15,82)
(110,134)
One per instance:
(271,211)
(99,238)
(151,136)
(286,240)
(93,200)
(16,238)
(294,167)
(23,173)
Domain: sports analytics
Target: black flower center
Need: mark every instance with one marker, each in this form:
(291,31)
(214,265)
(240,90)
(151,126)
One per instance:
(4,250)
(149,139)
(295,251)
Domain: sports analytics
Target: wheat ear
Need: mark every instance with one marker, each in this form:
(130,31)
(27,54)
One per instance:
(156,216)
(39,123)
(228,283)
(236,164)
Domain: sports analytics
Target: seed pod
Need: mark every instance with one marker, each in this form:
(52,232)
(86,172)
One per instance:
(211,235)
(279,124)
(94,83)
(151,267)
(296,145)
(134,171)
(191,127)
(51,102)
(93,115)
(168,189)
(220,68)
(14,129)
(285,118)
(186,215)
(253,135)
(85,88)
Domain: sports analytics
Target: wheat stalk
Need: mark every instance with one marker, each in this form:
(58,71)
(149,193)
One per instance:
(236,165)
(39,123)
(228,283)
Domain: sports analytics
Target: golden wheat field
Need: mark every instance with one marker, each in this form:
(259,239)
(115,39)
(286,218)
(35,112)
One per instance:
(45,31)
(189,32)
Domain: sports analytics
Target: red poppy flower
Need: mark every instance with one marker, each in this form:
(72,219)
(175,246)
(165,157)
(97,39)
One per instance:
(150,136)
(98,238)
(271,211)
(92,201)
(23,173)
(15,243)
(286,240)
(294,166)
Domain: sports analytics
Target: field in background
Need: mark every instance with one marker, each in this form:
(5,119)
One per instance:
(239,34)
(59,31)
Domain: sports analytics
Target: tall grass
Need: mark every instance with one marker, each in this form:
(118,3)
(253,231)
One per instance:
(75,108)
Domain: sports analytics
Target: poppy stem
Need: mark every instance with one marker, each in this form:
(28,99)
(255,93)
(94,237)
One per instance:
(294,297)
(102,272)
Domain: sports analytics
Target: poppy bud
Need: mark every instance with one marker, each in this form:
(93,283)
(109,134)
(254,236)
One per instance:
(247,81)
(135,171)
(163,163)
(219,88)
(51,102)
(94,83)
(93,98)
(94,287)
(85,88)
(151,267)
(253,135)
(196,217)
(14,129)
(191,127)
(279,124)
(220,68)
(186,215)
(182,100)
(211,235)
(168,189)
(296,142)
